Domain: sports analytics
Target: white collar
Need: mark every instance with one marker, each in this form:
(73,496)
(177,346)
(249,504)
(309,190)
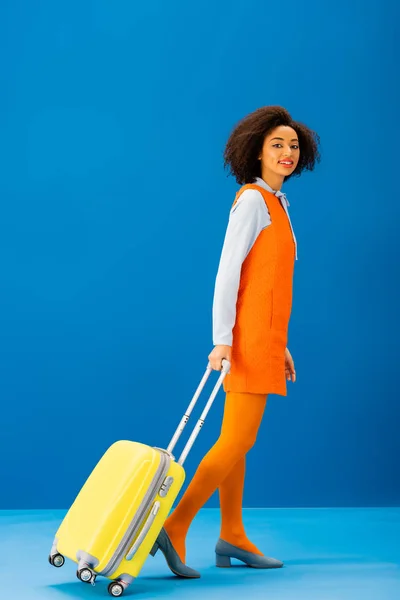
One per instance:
(267,187)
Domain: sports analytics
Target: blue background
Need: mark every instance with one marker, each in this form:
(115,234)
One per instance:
(114,204)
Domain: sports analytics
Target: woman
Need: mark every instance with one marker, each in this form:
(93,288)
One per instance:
(251,311)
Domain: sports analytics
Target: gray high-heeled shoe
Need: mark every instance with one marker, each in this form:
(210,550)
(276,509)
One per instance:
(225,551)
(171,556)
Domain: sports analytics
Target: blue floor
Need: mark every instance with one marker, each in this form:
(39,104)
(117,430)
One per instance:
(329,554)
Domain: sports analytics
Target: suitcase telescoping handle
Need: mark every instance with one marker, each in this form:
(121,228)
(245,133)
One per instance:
(226,365)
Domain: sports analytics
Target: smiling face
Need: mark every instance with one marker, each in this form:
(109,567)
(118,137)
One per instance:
(280,155)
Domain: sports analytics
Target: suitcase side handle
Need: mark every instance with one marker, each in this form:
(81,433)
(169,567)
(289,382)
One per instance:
(226,365)
(149,522)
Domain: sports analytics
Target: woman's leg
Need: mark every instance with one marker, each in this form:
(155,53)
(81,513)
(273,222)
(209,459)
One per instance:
(230,498)
(242,417)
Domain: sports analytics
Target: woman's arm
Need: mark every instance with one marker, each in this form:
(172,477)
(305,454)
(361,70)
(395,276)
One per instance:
(247,219)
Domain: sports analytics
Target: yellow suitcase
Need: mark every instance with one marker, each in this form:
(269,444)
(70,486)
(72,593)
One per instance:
(114,521)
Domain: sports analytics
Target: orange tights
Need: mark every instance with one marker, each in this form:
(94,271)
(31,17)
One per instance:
(223,467)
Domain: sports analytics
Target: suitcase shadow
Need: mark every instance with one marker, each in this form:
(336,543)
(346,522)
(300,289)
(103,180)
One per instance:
(78,590)
(153,586)
(158,585)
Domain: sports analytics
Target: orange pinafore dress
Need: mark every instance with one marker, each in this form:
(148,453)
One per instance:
(263,307)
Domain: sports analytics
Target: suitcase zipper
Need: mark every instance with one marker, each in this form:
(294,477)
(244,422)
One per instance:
(137,521)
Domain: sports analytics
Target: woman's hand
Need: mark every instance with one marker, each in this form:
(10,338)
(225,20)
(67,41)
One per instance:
(218,354)
(289,366)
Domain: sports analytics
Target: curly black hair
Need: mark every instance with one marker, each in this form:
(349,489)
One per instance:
(246,141)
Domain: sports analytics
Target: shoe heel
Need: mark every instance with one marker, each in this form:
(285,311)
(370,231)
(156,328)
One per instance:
(222,561)
(154,549)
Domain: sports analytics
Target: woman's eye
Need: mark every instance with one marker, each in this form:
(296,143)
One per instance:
(295,146)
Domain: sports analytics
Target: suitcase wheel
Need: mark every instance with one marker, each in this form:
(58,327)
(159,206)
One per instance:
(57,560)
(86,575)
(115,589)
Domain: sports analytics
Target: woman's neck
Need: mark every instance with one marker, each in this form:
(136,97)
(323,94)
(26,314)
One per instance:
(274,181)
